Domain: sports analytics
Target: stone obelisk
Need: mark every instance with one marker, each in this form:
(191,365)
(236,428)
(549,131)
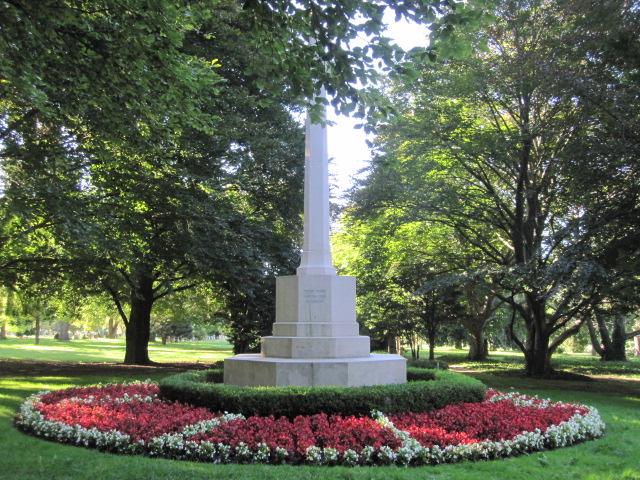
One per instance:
(315,337)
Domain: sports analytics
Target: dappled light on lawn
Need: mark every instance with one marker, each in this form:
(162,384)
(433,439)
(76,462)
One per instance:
(111,350)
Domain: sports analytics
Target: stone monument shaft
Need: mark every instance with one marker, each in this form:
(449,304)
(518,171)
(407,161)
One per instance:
(315,338)
(316,248)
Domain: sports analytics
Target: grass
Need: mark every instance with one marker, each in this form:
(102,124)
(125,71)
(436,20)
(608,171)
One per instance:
(111,350)
(615,456)
(583,364)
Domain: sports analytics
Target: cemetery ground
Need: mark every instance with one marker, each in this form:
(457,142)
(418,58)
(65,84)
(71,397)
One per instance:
(613,388)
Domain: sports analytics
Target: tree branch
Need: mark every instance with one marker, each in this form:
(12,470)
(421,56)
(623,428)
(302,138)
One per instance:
(597,346)
(114,296)
(565,334)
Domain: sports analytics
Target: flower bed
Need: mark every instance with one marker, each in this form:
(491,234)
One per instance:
(132,419)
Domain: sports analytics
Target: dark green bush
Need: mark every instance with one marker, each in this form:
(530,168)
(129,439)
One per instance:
(425,363)
(215,375)
(420,374)
(417,396)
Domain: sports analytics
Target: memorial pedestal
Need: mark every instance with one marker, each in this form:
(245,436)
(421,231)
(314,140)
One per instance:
(315,337)
(315,340)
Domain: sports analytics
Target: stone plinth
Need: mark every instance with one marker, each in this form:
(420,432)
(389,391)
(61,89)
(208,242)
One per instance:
(254,370)
(315,318)
(315,341)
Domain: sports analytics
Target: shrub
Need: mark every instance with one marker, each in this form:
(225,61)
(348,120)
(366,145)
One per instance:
(420,374)
(417,396)
(215,375)
(431,364)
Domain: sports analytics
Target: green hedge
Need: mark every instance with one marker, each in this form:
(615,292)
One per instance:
(420,374)
(416,396)
(216,375)
(425,363)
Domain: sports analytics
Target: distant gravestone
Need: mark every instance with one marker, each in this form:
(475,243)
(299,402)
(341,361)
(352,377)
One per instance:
(315,337)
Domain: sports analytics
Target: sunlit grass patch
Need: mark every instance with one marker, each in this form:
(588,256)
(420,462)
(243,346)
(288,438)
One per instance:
(110,350)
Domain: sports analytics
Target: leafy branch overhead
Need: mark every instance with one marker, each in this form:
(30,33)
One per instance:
(343,46)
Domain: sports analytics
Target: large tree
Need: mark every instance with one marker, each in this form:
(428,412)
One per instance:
(492,145)
(146,217)
(399,264)
(164,220)
(121,134)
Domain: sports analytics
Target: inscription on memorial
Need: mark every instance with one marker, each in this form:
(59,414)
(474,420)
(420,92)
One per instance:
(314,295)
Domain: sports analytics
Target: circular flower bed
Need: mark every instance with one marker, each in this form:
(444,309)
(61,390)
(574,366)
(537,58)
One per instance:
(132,419)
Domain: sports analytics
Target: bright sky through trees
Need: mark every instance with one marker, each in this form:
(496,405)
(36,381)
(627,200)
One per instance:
(348,150)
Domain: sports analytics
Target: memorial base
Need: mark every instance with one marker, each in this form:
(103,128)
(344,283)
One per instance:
(255,370)
(315,341)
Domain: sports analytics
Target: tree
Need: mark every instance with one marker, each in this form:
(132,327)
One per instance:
(310,43)
(130,165)
(8,311)
(186,314)
(141,221)
(393,261)
(431,254)
(612,330)
(490,146)
(80,81)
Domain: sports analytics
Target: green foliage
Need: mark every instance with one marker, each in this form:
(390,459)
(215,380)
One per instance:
(429,364)
(143,216)
(420,396)
(215,375)
(140,141)
(322,51)
(492,149)
(77,80)
(419,374)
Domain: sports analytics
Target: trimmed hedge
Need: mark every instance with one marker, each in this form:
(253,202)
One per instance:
(420,374)
(417,396)
(216,375)
(425,363)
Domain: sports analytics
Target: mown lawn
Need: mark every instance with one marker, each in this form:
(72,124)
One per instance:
(615,456)
(111,350)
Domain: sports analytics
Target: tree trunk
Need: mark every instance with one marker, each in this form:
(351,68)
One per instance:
(412,346)
(538,353)
(617,352)
(613,345)
(477,344)
(636,341)
(113,328)
(3,331)
(432,342)
(37,329)
(596,346)
(63,332)
(137,333)
(538,363)
(391,344)
(399,345)
(139,324)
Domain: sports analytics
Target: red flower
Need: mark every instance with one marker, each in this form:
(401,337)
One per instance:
(135,410)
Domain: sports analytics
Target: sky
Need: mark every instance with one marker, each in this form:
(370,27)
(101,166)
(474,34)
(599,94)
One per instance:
(347,148)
